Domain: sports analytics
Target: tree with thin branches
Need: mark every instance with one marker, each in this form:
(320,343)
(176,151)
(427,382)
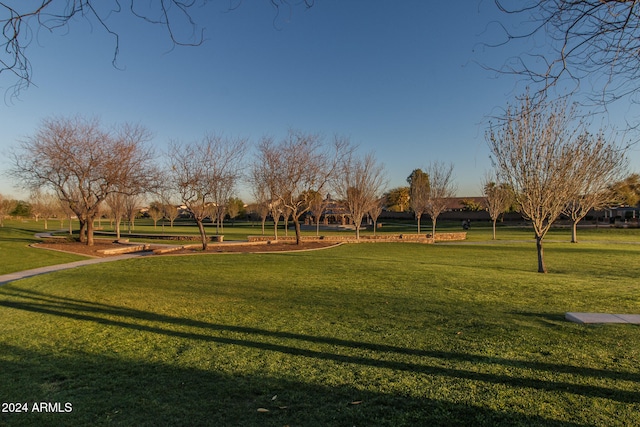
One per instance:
(442,187)
(317,206)
(587,45)
(294,169)
(21,22)
(84,163)
(498,198)
(200,172)
(375,210)
(598,165)
(360,184)
(535,150)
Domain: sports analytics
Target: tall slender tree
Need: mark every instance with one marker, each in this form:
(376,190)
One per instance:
(419,187)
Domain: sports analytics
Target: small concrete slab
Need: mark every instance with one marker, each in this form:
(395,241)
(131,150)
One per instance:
(603,318)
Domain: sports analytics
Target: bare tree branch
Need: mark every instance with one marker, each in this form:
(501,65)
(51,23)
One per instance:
(593,44)
(21,20)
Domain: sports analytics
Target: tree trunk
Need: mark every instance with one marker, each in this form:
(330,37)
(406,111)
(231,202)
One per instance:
(418,216)
(574,231)
(275,228)
(433,229)
(83,230)
(494,228)
(203,234)
(296,223)
(117,221)
(541,267)
(90,232)
(286,227)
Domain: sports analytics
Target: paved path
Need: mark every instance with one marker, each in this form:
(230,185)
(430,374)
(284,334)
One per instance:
(6,278)
(603,318)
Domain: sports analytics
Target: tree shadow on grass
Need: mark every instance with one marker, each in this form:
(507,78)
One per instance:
(110,391)
(469,367)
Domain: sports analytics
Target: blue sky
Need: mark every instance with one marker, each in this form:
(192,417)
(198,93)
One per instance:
(400,78)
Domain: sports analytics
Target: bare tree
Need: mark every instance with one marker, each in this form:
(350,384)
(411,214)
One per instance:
(266,180)
(442,188)
(593,43)
(83,164)
(498,198)
(597,166)
(360,183)
(21,22)
(534,150)
(6,206)
(44,205)
(294,169)
(263,211)
(156,212)
(234,207)
(375,210)
(200,172)
(131,210)
(317,205)
(116,204)
(419,188)
(170,212)
(260,191)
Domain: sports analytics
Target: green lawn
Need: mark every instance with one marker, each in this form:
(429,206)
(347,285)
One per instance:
(15,253)
(370,334)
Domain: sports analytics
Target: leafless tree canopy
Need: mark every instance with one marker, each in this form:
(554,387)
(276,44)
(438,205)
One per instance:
(545,155)
(593,43)
(360,184)
(84,164)
(498,198)
(292,171)
(419,187)
(22,20)
(598,164)
(442,187)
(204,174)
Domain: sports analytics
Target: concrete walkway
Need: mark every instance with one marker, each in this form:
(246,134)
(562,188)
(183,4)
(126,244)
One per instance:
(6,278)
(633,319)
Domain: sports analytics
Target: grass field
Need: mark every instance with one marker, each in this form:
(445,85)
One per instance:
(365,335)
(15,254)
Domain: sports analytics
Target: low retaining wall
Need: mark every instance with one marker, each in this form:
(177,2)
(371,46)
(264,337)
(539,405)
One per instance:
(415,238)
(125,250)
(450,237)
(177,237)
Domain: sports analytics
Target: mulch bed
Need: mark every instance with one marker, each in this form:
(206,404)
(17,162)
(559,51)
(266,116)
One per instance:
(272,247)
(101,244)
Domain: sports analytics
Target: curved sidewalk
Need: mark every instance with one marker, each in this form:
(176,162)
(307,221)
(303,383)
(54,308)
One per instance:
(6,278)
